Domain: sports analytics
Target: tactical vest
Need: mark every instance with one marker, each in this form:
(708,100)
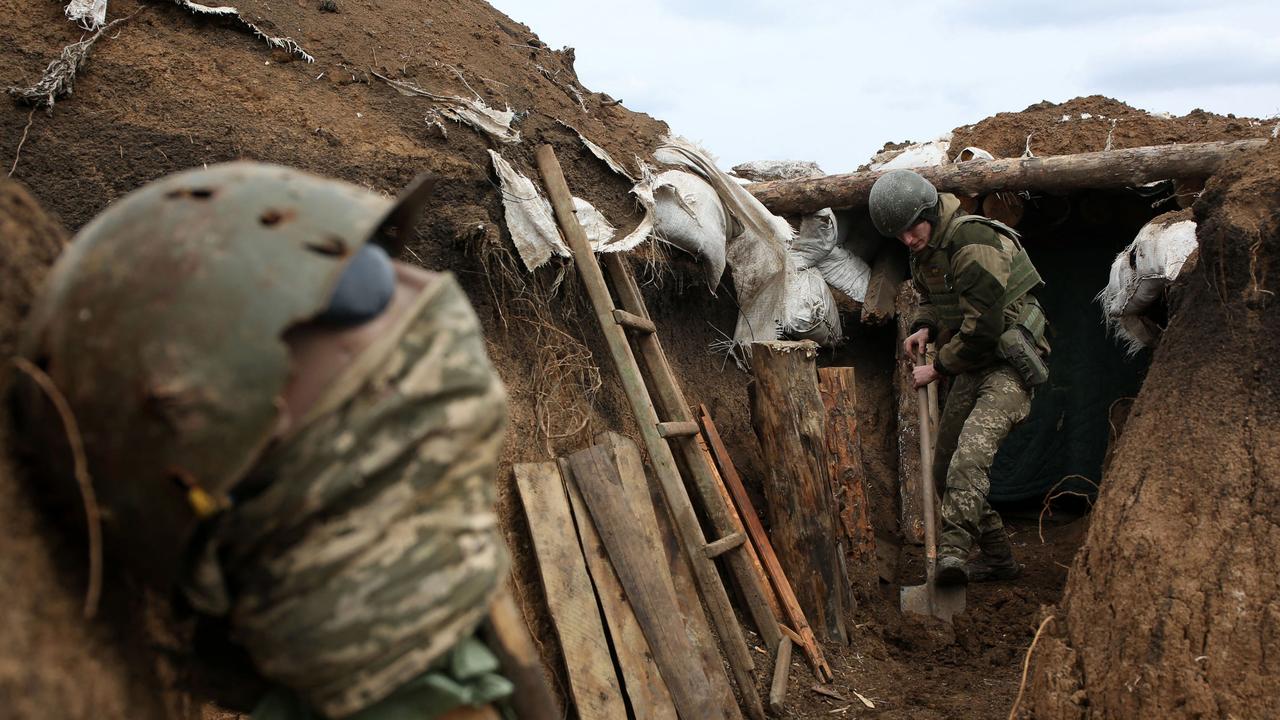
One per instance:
(933,270)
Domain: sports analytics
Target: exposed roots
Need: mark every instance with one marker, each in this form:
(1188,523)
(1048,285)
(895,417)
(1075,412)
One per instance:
(60,75)
(92,515)
(1051,496)
(1026,665)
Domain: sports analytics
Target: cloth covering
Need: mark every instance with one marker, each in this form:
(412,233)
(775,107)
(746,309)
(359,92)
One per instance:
(364,546)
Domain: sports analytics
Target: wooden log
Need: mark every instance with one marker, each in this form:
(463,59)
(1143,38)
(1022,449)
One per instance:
(673,406)
(658,534)
(674,494)
(1057,174)
(599,482)
(571,599)
(887,272)
(781,671)
(802,635)
(910,508)
(791,423)
(641,679)
(844,445)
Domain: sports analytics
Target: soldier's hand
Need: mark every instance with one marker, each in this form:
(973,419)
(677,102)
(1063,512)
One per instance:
(913,346)
(923,375)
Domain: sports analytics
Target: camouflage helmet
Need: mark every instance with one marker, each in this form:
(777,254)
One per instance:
(897,200)
(162,326)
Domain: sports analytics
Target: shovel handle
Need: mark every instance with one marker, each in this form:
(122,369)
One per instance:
(927,492)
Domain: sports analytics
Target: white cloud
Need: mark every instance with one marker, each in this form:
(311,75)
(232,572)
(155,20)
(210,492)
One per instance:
(833,81)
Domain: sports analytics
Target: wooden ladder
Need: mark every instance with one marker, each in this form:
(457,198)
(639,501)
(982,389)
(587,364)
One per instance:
(670,424)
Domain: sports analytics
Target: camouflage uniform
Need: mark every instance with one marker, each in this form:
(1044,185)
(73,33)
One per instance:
(973,286)
(363,548)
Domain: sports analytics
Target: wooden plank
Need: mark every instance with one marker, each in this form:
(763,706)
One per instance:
(571,598)
(848,479)
(1129,167)
(791,424)
(644,686)
(790,605)
(660,537)
(781,671)
(508,637)
(671,402)
(910,507)
(674,494)
(599,481)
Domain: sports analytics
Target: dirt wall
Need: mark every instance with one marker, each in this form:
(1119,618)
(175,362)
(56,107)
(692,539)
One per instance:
(1172,607)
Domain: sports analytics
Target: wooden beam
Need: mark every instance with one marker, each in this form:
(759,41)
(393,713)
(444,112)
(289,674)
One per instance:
(792,426)
(725,544)
(803,634)
(508,636)
(781,671)
(1060,173)
(634,322)
(840,397)
(683,428)
(910,508)
(597,478)
(641,679)
(571,598)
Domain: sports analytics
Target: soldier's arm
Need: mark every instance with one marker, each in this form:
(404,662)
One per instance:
(980,271)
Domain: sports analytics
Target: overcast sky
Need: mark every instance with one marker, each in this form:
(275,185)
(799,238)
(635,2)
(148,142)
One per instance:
(832,80)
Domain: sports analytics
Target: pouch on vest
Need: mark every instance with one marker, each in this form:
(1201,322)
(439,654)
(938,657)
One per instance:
(1018,345)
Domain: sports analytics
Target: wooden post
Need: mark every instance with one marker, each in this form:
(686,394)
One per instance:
(911,509)
(848,479)
(791,422)
(781,671)
(1063,173)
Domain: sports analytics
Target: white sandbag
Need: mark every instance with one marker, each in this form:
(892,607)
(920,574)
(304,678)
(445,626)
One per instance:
(818,245)
(688,214)
(1140,274)
(89,14)
(815,239)
(811,312)
(926,154)
(846,272)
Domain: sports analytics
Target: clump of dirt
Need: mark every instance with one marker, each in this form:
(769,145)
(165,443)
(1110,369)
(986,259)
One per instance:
(1171,605)
(1094,123)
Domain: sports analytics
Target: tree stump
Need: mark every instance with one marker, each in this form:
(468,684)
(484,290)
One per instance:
(791,423)
(848,478)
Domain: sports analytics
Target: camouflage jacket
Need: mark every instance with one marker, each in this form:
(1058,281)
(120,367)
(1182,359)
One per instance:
(973,278)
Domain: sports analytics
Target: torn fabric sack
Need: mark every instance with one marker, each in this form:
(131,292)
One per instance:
(1162,249)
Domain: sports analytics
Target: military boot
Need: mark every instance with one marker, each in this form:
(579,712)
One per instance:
(951,570)
(996,561)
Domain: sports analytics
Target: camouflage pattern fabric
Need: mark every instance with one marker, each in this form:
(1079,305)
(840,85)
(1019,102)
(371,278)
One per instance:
(980,410)
(364,547)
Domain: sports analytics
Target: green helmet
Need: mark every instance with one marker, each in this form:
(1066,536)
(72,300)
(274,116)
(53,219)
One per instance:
(162,325)
(897,200)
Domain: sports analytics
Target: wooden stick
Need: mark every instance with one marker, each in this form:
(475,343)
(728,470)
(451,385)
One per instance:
(781,671)
(510,640)
(690,531)
(755,531)
(1061,173)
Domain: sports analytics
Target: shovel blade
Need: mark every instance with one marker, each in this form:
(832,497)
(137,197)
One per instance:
(941,602)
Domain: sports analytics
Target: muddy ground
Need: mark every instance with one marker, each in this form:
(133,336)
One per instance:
(167,91)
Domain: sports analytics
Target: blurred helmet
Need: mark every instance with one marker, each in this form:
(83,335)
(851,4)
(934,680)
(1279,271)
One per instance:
(162,326)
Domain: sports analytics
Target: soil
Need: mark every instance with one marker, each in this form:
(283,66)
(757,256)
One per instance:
(166,91)
(1109,122)
(1171,605)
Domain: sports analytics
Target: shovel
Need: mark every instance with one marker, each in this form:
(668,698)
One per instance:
(929,599)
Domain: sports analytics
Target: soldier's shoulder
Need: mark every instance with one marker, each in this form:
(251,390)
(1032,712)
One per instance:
(974,230)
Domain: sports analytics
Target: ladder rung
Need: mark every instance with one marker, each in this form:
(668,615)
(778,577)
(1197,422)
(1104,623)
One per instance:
(634,322)
(677,429)
(725,544)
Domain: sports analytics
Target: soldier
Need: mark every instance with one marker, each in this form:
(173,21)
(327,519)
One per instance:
(975,283)
(293,430)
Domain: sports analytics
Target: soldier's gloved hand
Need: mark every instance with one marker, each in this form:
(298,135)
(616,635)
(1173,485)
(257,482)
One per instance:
(922,375)
(913,346)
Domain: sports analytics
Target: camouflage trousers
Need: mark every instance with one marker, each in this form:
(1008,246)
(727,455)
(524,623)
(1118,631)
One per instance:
(364,546)
(981,409)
